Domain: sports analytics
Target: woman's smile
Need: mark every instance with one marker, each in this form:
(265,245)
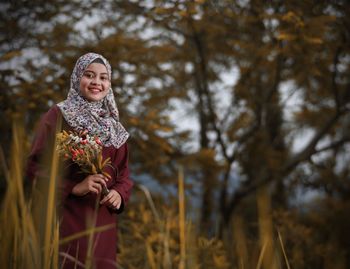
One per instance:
(94,83)
(95,90)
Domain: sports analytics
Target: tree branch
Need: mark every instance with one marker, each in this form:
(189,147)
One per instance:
(310,148)
(333,145)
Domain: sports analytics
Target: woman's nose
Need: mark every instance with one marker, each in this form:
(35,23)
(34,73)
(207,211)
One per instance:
(96,80)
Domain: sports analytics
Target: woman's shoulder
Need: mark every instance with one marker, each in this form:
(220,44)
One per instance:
(112,149)
(52,114)
(54,110)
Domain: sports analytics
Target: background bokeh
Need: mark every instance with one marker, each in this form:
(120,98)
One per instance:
(250,98)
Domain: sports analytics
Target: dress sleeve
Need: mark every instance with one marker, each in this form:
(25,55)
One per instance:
(41,151)
(44,136)
(123,184)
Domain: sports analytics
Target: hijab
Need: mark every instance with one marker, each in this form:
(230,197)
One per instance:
(99,118)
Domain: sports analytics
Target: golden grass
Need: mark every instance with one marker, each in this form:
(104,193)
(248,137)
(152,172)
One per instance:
(269,254)
(283,249)
(19,238)
(240,242)
(51,227)
(182,219)
(29,231)
(166,238)
(164,233)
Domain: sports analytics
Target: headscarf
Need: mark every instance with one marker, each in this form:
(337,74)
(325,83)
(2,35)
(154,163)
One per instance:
(99,118)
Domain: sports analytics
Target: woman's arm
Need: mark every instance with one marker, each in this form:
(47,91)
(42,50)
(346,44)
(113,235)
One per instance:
(38,163)
(44,137)
(123,183)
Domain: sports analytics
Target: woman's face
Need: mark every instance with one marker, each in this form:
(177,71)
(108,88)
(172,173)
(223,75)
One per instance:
(94,83)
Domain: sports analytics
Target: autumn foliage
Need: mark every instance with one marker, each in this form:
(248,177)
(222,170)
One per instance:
(251,98)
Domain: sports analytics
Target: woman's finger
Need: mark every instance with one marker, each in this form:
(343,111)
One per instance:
(117,204)
(102,182)
(104,178)
(93,189)
(99,180)
(97,186)
(107,198)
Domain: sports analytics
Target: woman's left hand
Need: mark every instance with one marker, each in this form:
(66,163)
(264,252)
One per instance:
(112,200)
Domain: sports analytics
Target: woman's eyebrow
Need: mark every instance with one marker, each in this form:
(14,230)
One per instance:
(87,70)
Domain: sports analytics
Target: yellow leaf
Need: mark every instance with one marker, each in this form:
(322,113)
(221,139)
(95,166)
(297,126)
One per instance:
(106,175)
(93,169)
(99,161)
(105,162)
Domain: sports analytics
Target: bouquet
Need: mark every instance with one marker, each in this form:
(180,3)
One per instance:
(84,150)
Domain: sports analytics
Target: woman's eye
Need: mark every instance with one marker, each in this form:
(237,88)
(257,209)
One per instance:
(104,78)
(88,75)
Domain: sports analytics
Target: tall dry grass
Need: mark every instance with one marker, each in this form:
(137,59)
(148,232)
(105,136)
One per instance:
(152,234)
(155,231)
(29,230)
(20,238)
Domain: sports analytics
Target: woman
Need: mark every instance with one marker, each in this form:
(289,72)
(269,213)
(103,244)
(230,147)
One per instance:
(90,106)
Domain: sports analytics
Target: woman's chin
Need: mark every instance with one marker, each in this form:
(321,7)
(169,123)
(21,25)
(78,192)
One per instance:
(94,98)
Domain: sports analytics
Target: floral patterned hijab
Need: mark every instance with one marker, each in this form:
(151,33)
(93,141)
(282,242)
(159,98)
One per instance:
(99,118)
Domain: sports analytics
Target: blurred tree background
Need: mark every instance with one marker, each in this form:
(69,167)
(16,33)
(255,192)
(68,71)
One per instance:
(251,97)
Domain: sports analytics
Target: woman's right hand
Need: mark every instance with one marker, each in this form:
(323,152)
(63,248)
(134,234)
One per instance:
(92,183)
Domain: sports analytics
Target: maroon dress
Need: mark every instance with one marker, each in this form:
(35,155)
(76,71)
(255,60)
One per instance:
(78,211)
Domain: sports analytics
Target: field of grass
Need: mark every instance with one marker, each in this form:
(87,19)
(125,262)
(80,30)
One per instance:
(151,235)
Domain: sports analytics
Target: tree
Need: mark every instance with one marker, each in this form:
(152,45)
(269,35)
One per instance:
(281,122)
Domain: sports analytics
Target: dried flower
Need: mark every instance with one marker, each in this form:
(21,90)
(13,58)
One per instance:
(84,150)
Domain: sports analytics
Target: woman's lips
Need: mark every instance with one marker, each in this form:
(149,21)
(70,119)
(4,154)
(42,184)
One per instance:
(95,90)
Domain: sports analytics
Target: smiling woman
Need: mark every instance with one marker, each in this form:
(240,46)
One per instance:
(89,109)
(95,82)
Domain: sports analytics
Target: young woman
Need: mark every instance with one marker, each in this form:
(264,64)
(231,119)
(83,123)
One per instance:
(90,106)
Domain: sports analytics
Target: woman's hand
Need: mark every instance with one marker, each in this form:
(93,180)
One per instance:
(92,183)
(112,200)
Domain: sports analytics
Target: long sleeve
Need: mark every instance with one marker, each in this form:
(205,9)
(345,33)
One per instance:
(44,136)
(42,147)
(123,183)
